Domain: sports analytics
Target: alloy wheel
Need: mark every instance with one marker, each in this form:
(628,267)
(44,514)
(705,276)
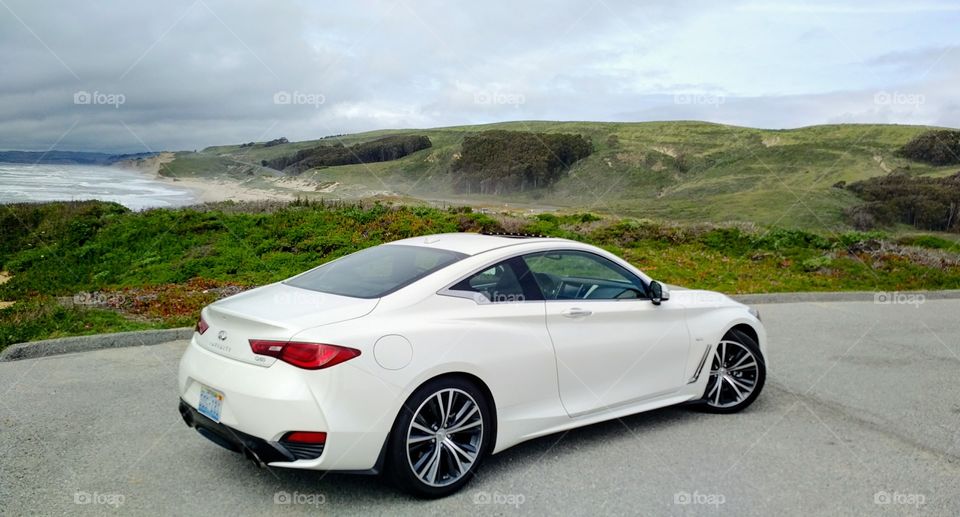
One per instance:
(444,438)
(733,375)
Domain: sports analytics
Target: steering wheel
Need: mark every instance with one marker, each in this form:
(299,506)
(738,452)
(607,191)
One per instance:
(548,285)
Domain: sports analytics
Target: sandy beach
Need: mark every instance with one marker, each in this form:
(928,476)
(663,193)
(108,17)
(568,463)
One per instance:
(215,189)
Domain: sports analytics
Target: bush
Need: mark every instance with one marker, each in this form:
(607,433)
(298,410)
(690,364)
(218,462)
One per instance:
(816,263)
(277,141)
(495,162)
(928,241)
(936,147)
(380,150)
(44,317)
(782,239)
(850,239)
(922,202)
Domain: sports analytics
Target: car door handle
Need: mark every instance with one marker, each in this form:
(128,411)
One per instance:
(576,312)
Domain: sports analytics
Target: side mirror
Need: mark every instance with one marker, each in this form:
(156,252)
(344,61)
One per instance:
(658,292)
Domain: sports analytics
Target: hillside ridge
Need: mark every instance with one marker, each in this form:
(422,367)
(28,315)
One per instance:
(679,170)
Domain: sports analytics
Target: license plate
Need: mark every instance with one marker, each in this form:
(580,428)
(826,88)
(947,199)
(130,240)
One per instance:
(211,402)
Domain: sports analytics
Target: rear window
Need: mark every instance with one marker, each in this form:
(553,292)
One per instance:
(376,271)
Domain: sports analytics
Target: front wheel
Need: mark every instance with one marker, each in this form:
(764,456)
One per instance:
(737,374)
(442,434)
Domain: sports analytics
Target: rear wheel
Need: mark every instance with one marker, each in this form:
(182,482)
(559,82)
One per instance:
(737,374)
(442,434)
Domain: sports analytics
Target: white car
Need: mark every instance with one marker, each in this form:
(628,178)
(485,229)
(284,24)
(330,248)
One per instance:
(420,357)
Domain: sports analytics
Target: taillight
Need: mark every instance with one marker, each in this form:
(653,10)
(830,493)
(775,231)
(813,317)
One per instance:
(201,326)
(309,356)
(263,347)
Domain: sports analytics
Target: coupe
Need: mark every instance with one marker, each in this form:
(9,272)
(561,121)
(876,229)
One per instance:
(421,357)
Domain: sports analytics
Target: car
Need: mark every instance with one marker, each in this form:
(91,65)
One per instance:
(420,357)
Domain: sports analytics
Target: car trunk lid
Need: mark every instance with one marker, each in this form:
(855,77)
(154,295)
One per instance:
(273,312)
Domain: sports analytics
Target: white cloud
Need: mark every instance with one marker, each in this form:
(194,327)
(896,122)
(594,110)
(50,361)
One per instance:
(203,72)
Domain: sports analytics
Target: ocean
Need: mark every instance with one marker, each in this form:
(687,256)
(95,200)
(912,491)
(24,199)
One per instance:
(134,189)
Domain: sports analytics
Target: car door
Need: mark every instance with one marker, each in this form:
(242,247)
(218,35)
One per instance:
(613,345)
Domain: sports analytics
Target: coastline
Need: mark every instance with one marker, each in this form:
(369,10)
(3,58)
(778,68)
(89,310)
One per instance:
(216,189)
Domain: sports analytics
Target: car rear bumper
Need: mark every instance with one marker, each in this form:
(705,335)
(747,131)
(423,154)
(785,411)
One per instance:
(262,404)
(259,450)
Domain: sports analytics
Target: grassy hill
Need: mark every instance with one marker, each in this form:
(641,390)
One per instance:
(682,171)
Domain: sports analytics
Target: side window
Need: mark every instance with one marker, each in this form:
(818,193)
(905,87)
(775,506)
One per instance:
(500,283)
(578,275)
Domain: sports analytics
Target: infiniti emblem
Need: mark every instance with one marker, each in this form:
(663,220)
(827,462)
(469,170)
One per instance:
(222,336)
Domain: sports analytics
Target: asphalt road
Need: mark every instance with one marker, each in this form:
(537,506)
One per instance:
(860,416)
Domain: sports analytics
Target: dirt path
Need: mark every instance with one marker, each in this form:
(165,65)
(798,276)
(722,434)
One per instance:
(4,278)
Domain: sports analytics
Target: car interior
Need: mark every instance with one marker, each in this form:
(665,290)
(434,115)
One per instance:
(559,276)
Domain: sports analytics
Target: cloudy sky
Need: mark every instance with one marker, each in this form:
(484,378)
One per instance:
(183,74)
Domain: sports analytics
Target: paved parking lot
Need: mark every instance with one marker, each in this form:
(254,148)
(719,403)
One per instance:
(860,416)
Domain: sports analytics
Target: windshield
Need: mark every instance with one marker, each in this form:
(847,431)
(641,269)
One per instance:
(376,271)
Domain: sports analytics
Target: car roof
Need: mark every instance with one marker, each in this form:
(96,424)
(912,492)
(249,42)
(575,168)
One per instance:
(472,243)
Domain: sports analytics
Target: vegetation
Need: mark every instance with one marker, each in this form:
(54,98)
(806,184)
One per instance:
(45,318)
(494,162)
(380,150)
(678,171)
(276,141)
(921,202)
(936,147)
(89,267)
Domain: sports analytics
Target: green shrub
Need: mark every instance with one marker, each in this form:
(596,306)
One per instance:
(379,150)
(816,263)
(936,147)
(929,241)
(848,239)
(922,202)
(43,318)
(785,239)
(494,162)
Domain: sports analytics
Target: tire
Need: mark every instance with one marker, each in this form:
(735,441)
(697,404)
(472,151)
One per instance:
(426,459)
(738,351)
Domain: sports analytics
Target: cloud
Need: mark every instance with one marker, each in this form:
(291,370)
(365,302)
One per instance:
(833,7)
(193,73)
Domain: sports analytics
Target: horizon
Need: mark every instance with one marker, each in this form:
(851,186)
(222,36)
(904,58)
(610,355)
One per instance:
(120,78)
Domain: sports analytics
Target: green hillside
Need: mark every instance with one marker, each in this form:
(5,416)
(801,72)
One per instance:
(683,171)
